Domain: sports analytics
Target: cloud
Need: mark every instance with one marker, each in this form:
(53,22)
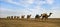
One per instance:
(20,2)
(50,1)
(56,12)
(30,1)
(31,7)
(10,12)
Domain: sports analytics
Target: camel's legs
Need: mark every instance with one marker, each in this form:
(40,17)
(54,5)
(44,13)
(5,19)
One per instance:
(36,18)
(39,19)
(46,18)
(42,18)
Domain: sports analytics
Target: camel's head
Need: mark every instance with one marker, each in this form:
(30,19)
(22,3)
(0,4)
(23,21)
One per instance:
(51,13)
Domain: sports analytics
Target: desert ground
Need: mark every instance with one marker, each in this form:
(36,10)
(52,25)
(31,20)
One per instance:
(51,22)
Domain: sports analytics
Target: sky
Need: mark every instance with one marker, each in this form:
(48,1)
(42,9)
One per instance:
(27,7)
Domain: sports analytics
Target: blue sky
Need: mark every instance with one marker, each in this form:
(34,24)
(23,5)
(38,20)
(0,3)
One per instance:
(26,7)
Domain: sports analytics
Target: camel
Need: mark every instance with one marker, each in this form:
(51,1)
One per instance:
(22,16)
(37,17)
(14,17)
(8,17)
(11,17)
(44,15)
(18,17)
(28,16)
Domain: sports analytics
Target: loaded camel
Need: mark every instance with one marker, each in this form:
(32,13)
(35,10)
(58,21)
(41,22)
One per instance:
(37,17)
(44,15)
(28,16)
(22,16)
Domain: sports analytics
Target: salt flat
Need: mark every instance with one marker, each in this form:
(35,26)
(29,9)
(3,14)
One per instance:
(52,22)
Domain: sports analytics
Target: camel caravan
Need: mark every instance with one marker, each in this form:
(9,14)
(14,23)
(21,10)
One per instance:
(42,16)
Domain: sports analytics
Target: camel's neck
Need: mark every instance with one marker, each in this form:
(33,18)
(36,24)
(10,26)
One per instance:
(49,15)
